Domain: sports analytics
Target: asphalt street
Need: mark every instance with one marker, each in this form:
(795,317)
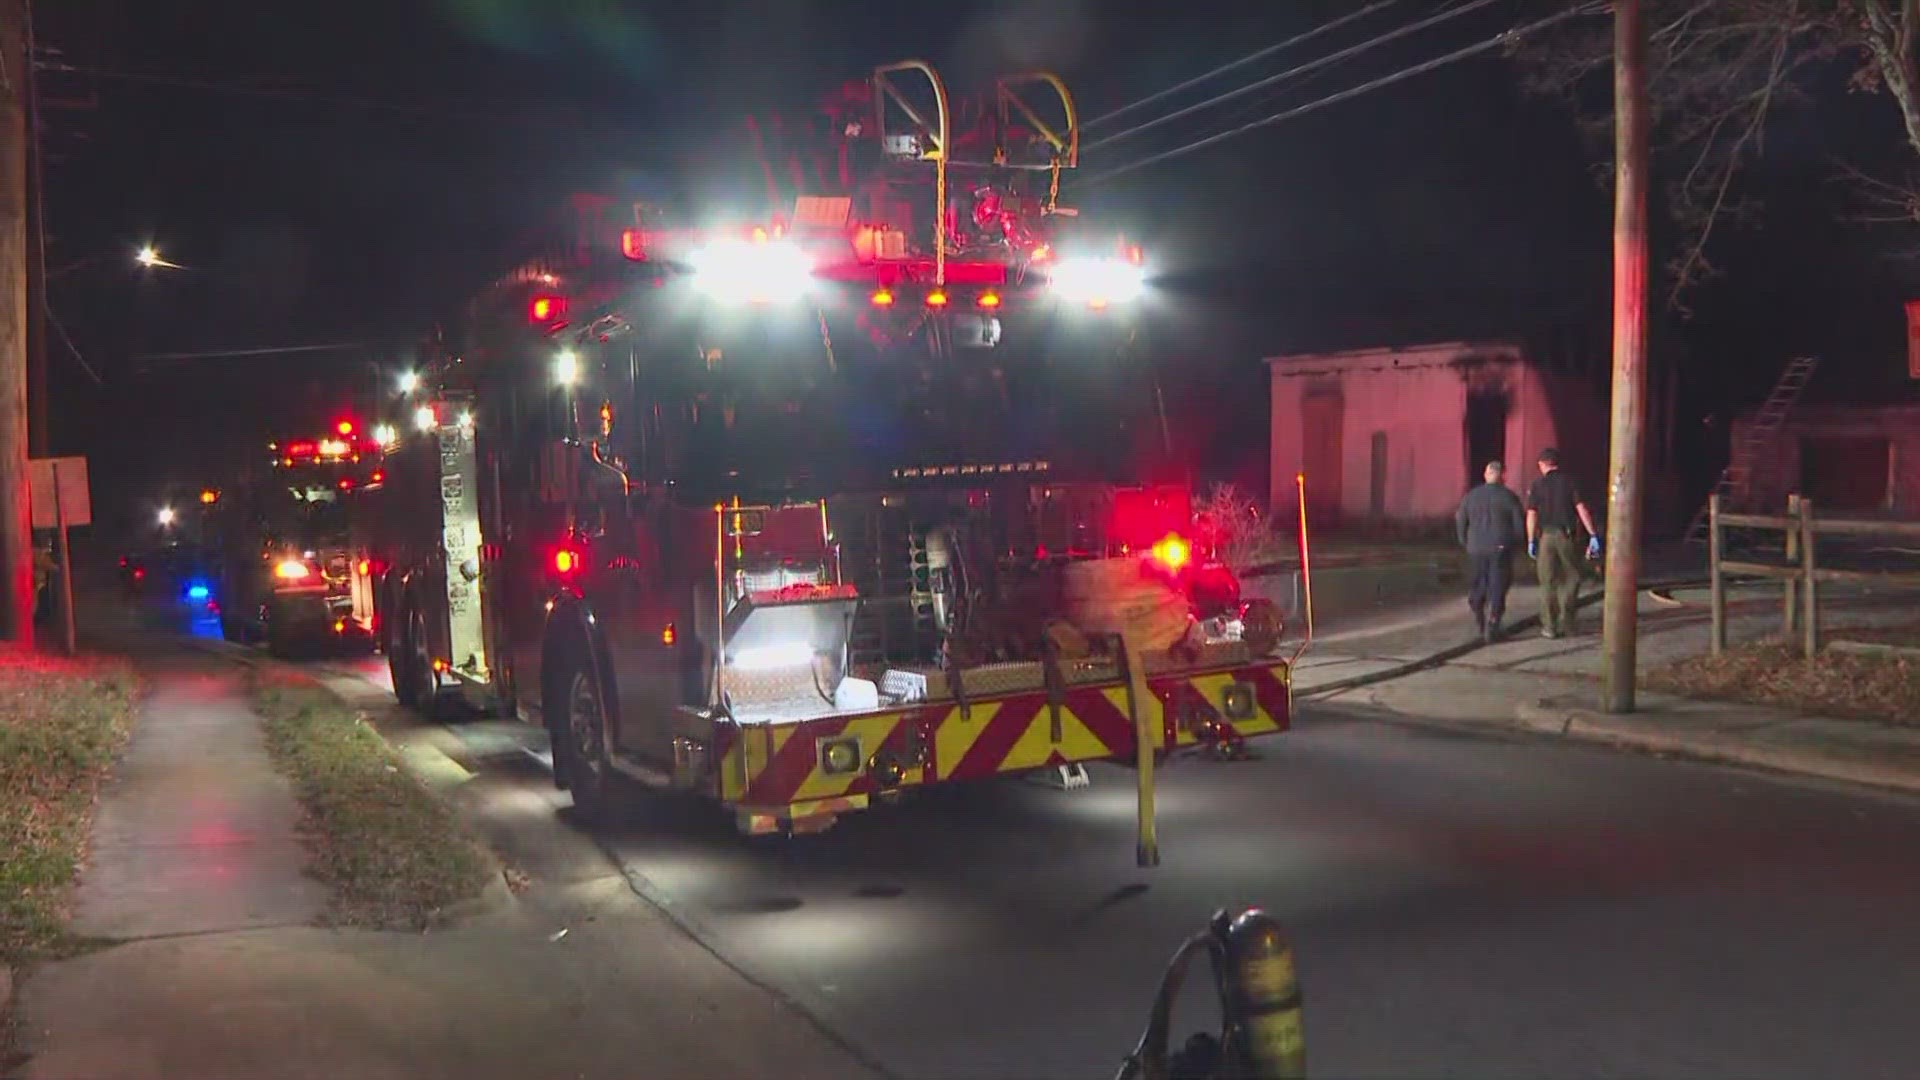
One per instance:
(1462,906)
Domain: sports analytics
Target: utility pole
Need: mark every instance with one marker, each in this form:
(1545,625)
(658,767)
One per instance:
(16,521)
(39,386)
(1619,630)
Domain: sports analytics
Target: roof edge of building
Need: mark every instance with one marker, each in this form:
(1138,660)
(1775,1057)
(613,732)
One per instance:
(1432,353)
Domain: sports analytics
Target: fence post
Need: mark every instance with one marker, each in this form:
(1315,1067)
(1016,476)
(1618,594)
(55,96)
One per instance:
(1791,594)
(1810,612)
(1717,634)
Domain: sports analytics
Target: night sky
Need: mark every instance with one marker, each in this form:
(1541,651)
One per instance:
(346,171)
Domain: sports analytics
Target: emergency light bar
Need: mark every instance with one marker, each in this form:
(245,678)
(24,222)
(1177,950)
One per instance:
(1098,282)
(759,271)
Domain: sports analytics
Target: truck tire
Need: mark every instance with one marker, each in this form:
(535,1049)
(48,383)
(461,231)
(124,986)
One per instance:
(416,685)
(575,708)
(280,643)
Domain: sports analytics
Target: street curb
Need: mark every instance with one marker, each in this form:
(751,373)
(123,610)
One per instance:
(1546,717)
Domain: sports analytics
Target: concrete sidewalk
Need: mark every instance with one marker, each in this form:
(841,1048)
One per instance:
(197,872)
(1548,687)
(195,832)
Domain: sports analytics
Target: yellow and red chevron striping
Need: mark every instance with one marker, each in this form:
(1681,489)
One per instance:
(777,765)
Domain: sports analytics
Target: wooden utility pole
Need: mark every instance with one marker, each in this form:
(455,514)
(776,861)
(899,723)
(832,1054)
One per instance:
(16,521)
(39,379)
(1619,629)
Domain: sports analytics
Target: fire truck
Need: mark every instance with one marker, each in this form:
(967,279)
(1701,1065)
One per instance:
(291,576)
(794,510)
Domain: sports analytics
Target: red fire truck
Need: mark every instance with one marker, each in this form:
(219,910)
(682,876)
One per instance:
(290,574)
(786,510)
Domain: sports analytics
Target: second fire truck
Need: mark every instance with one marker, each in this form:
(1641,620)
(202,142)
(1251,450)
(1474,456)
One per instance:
(291,576)
(800,511)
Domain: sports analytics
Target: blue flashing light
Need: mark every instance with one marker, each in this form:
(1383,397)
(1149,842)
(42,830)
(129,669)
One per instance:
(197,591)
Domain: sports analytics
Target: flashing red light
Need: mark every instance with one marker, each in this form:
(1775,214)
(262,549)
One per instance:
(989,300)
(1173,551)
(346,484)
(303,449)
(344,427)
(377,477)
(881,298)
(547,309)
(566,561)
(936,298)
(633,244)
(139,573)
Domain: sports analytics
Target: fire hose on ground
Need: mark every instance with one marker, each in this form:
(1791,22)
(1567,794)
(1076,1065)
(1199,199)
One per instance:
(1448,655)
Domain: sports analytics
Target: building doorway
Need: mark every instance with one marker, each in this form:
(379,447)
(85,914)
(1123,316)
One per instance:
(1323,415)
(1486,422)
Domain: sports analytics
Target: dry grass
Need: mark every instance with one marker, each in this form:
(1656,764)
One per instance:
(1832,684)
(393,855)
(61,723)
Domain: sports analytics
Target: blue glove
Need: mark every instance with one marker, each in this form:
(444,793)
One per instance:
(1593,547)
(1533,549)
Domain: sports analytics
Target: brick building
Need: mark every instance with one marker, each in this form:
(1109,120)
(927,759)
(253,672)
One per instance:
(1858,458)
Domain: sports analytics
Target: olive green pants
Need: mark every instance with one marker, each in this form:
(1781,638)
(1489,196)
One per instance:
(1560,571)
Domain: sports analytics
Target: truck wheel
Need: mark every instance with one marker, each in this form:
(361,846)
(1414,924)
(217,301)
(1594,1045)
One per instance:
(421,685)
(279,640)
(577,721)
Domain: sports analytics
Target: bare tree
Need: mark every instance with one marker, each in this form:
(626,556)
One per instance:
(1717,71)
(1230,524)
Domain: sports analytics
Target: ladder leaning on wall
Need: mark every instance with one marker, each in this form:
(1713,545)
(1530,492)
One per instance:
(1759,437)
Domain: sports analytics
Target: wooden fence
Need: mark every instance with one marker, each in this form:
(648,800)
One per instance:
(1799,571)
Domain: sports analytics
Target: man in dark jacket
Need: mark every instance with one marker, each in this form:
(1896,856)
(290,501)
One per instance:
(1491,525)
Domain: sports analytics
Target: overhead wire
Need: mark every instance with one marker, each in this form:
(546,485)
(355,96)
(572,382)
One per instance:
(1307,68)
(334,98)
(1251,58)
(1494,42)
(271,350)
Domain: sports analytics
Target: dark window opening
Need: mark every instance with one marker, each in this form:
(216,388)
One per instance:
(1846,472)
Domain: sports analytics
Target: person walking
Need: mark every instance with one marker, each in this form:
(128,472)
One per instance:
(1490,525)
(1554,509)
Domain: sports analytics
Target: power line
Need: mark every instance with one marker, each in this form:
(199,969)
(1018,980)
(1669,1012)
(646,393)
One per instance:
(1297,39)
(327,97)
(1493,42)
(74,349)
(271,350)
(1310,66)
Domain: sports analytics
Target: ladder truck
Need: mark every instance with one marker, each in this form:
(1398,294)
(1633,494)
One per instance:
(797,511)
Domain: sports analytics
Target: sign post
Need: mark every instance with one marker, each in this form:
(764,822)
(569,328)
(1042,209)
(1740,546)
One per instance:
(59,495)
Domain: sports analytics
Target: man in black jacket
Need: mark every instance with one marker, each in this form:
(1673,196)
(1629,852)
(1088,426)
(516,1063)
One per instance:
(1490,524)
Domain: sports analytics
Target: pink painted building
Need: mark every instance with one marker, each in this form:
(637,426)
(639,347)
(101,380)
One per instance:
(1394,436)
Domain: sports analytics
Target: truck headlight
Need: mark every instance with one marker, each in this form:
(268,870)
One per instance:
(1098,282)
(734,271)
(839,757)
(292,570)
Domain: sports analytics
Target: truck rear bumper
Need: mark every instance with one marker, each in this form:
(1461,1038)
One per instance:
(786,776)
